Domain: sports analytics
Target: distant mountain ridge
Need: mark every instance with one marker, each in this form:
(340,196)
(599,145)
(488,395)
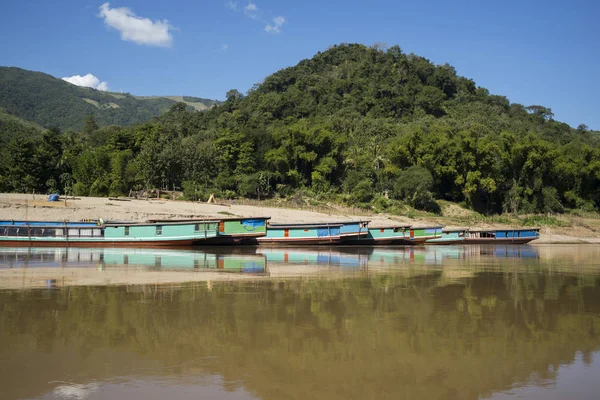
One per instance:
(47,101)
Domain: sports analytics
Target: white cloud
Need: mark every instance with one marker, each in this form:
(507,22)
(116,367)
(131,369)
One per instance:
(224,47)
(137,29)
(102,86)
(277,24)
(251,10)
(232,5)
(88,80)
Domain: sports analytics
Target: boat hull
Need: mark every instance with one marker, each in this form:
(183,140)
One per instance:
(522,240)
(368,241)
(418,241)
(442,242)
(317,241)
(501,241)
(229,240)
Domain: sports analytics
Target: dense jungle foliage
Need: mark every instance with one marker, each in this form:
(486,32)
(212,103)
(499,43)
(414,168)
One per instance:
(362,125)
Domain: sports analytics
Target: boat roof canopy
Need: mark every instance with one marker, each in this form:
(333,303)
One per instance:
(314,225)
(390,227)
(504,230)
(206,219)
(189,222)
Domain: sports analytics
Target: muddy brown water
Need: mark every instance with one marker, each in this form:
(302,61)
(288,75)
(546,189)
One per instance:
(479,322)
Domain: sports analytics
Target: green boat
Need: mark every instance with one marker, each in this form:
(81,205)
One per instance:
(419,235)
(450,236)
(325,233)
(102,234)
(492,236)
(382,235)
(232,230)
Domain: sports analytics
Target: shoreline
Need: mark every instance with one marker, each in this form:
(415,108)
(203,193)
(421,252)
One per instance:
(30,207)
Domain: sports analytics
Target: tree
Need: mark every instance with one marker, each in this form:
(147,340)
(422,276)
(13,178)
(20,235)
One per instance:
(414,187)
(90,125)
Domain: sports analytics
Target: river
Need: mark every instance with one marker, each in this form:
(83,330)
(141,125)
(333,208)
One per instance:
(479,322)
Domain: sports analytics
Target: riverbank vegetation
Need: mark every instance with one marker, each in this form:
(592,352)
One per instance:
(370,127)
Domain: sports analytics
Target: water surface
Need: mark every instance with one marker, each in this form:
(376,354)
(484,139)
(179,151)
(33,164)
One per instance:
(355,323)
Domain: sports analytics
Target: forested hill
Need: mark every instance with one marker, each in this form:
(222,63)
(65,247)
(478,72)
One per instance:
(362,125)
(51,102)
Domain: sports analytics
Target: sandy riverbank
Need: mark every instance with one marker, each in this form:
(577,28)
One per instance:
(29,207)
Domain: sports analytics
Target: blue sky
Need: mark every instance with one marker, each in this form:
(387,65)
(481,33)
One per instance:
(533,52)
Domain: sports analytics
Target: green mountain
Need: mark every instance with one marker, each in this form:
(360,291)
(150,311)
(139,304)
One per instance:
(372,127)
(51,102)
(11,126)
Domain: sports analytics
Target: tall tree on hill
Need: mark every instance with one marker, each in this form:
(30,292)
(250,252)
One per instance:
(90,125)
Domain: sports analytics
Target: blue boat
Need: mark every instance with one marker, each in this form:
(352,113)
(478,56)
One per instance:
(326,233)
(491,236)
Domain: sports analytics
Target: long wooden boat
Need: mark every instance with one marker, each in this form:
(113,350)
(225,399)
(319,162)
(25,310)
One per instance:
(420,234)
(449,236)
(382,235)
(492,236)
(327,233)
(231,231)
(100,234)
(502,236)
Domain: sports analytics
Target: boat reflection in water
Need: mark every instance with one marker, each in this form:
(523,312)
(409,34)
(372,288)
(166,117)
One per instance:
(252,260)
(152,259)
(437,255)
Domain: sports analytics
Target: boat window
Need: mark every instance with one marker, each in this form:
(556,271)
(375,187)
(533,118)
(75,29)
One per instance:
(487,235)
(85,232)
(16,232)
(2,231)
(383,230)
(221,227)
(97,232)
(159,231)
(59,232)
(73,232)
(197,227)
(126,231)
(286,233)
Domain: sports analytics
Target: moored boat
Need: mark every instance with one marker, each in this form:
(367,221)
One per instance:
(100,234)
(326,233)
(502,236)
(419,235)
(382,235)
(449,236)
(492,236)
(233,230)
